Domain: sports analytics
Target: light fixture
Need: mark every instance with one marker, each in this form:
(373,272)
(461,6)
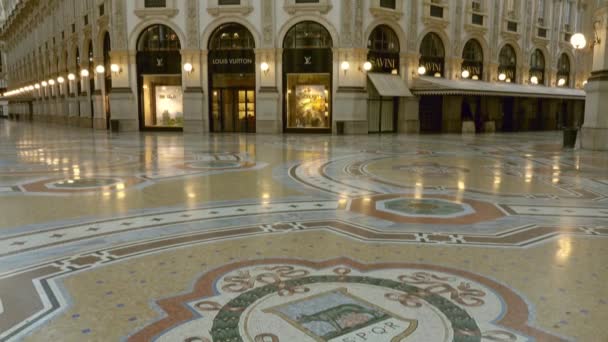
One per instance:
(465,73)
(44,84)
(367,66)
(421,70)
(395,72)
(502,76)
(561,82)
(60,80)
(51,82)
(508,80)
(345,66)
(578,41)
(475,78)
(437,74)
(37,86)
(71,77)
(100,69)
(115,68)
(264,67)
(584,83)
(534,80)
(84,73)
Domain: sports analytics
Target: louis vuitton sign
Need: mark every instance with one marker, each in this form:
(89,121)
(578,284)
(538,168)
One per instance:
(232,61)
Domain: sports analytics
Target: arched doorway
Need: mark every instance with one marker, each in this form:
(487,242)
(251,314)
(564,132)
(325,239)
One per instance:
(107,47)
(307,78)
(432,55)
(472,60)
(537,67)
(383,54)
(78,68)
(232,79)
(563,71)
(159,79)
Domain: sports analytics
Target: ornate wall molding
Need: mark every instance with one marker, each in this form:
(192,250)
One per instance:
(192,24)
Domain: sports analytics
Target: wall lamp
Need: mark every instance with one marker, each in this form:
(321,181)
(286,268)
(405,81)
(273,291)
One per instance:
(465,74)
(51,82)
(534,80)
(421,70)
(84,73)
(115,68)
(100,69)
(44,84)
(345,66)
(37,86)
(60,80)
(265,68)
(367,66)
(188,67)
(71,77)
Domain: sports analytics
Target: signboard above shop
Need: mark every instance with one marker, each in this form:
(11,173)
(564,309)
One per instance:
(232,61)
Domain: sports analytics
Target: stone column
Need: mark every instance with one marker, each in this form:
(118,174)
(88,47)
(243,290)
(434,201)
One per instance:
(268,101)
(350,103)
(122,100)
(408,120)
(195,105)
(594,135)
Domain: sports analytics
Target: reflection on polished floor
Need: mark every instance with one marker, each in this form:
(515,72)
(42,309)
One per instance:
(179,237)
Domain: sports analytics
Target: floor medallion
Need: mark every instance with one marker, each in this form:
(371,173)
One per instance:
(343,301)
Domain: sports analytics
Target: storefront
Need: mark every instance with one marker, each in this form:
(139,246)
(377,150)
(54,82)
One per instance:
(108,77)
(307,79)
(507,72)
(159,79)
(472,68)
(432,63)
(232,80)
(383,57)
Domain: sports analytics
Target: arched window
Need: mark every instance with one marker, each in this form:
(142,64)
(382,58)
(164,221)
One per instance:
(307,35)
(472,60)
(383,39)
(231,37)
(90,55)
(432,55)
(107,47)
(77,57)
(537,67)
(507,66)
(158,38)
(383,45)
(563,71)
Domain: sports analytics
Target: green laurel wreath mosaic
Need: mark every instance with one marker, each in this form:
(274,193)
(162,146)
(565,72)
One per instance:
(226,323)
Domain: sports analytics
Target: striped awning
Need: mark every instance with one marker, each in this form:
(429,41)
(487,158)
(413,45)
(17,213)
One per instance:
(440,86)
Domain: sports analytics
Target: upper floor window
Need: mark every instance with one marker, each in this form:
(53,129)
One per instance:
(541,12)
(306,1)
(383,39)
(307,34)
(228,2)
(568,16)
(158,38)
(392,4)
(231,37)
(155,3)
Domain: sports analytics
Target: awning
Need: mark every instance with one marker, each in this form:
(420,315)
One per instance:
(389,85)
(426,85)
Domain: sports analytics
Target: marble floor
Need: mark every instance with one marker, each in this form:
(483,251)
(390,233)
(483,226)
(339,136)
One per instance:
(183,237)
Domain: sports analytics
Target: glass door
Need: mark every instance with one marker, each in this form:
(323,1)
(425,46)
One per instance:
(233,110)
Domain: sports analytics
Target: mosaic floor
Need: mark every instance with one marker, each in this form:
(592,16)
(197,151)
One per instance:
(264,238)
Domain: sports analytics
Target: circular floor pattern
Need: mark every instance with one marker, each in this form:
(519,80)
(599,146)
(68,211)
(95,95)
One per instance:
(424,207)
(215,164)
(83,183)
(341,300)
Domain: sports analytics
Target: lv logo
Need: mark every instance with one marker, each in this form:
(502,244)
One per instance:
(160,62)
(307,60)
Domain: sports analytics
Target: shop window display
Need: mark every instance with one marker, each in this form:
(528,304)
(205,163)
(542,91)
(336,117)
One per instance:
(308,99)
